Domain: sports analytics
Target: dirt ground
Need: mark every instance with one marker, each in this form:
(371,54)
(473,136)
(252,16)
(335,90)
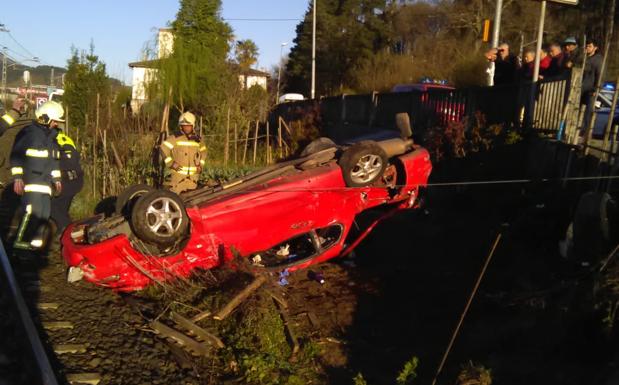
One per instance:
(534,319)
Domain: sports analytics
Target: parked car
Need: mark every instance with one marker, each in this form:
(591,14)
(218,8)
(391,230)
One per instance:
(602,109)
(439,99)
(286,216)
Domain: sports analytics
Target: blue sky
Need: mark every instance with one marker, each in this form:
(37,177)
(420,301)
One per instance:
(120,28)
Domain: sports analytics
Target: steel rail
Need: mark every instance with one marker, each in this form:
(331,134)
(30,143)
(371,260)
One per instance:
(47,374)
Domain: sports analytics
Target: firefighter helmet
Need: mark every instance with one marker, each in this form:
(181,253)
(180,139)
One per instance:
(64,140)
(187,118)
(49,111)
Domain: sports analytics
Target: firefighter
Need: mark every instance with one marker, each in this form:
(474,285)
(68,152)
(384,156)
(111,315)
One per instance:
(35,170)
(185,155)
(72,180)
(9,118)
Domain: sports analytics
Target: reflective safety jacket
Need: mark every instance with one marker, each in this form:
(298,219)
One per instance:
(35,158)
(186,151)
(8,119)
(69,157)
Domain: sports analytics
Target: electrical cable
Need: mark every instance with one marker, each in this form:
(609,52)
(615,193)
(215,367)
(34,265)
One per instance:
(438,184)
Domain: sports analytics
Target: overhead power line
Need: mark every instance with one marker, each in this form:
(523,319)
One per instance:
(21,46)
(255,19)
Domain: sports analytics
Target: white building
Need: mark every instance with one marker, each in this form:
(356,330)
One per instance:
(145,71)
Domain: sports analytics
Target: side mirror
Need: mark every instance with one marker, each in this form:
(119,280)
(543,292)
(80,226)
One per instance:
(403,123)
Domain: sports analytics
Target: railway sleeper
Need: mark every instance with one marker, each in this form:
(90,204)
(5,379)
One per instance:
(196,330)
(195,347)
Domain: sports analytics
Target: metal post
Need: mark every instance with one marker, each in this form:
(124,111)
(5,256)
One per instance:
(51,77)
(4,65)
(279,71)
(496,31)
(540,38)
(313,93)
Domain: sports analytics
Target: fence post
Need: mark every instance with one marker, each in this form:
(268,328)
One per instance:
(573,109)
(236,146)
(246,141)
(268,145)
(94,151)
(227,143)
(256,143)
(279,137)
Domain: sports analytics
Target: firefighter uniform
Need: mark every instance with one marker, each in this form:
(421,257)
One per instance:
(8,119)
(35,161)
(189,156)
(72,180)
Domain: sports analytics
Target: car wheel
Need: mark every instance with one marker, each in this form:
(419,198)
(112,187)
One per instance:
(159,217)
(317,145)
(363,163)
(127,199)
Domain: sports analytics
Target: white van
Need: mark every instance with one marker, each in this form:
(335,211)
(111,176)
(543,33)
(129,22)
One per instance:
(290,98)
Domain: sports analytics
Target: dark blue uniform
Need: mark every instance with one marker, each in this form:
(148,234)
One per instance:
(72,180)
(35,160)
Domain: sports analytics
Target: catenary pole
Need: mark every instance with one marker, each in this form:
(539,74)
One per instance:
(496,32)
(540,38)
(313,93)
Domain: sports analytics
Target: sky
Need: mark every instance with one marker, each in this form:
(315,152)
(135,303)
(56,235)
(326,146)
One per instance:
(120,29)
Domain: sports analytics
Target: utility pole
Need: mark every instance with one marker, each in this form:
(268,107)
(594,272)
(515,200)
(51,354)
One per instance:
(4,65)
(496,32)
(51,77)
(313,93)
(279,70)
(540,38)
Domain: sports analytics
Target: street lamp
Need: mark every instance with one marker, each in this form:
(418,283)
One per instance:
(279,71)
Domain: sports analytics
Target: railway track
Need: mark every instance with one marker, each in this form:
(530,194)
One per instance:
(52,332)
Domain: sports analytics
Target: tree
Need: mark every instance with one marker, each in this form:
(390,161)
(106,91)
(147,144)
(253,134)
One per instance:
(347,32)
(246,53)
(86,77)
(196,74)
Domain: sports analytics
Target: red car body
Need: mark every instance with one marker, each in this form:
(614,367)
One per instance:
(250,220)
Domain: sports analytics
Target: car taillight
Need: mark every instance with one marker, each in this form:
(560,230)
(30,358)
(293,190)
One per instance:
(78,234)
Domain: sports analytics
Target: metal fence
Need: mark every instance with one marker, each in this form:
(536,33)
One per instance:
(346,116)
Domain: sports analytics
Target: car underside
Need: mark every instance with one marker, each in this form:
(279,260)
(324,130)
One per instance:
(286,216)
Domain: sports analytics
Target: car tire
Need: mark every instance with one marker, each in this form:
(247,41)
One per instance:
(317,145)
(363,163)
(592,225)
(159,217)
(127,199)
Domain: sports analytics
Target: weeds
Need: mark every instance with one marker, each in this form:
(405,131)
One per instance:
(409,372)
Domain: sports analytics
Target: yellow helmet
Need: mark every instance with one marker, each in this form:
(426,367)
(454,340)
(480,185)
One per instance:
(64,140)
(187,118)
(49,111)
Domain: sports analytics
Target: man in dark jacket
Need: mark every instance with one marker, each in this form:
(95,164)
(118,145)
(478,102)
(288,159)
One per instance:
(72,180)
(506,66)
(35,170)
(558,64)
(590,78)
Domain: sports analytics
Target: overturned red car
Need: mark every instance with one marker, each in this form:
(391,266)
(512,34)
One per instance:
(287,216)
